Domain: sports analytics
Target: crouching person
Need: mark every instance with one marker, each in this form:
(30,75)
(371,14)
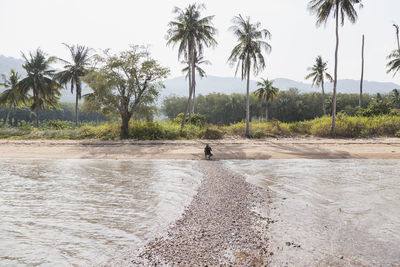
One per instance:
(207,152)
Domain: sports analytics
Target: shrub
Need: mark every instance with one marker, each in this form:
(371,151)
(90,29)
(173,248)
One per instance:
(213,133)
(197,119)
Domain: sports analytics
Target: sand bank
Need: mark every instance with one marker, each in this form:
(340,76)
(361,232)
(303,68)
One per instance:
(285,148)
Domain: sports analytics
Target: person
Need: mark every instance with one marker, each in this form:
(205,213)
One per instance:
(207,152)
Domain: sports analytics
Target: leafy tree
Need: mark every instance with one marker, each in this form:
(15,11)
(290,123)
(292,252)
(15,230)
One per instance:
(248,53)
(318,75)
(340,9)
(192,32)
(395,98)
(11,97)
(39,80)
(266,92)
(125,83)
(73,72)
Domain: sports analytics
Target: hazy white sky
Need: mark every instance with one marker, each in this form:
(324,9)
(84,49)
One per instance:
(28,24)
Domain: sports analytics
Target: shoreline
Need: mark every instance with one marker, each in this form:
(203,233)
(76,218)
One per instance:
(225,149)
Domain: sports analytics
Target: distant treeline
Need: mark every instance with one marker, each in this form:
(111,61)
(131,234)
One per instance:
(290,106)
(65,112)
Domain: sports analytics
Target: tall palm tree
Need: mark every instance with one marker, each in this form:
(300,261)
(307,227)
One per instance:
(39,80)
(73,71)
(340,9)
(248,53)
(199,60)
(266,92)
(11,97)
(192,32)
(318,75)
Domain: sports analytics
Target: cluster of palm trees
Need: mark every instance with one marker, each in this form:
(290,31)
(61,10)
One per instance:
(42,84)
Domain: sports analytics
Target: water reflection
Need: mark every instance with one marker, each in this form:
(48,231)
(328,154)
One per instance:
(84,212)
(340,212)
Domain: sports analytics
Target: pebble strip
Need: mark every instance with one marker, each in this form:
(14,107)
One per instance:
(219,228)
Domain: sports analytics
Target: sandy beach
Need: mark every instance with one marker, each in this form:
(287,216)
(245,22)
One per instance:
(284,148)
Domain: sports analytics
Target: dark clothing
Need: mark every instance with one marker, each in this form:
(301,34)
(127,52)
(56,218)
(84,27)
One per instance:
(207,152)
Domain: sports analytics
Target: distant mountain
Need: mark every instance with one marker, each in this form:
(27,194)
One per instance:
(212,84)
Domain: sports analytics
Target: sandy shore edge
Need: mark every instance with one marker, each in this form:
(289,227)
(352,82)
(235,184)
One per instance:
(284,148)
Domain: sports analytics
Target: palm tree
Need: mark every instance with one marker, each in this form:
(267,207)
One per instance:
(73,72)
(397,36)
(45,90)
(318,75)
(395,98)
(323,9)
(191,32)
(394,62)
(11,97)
(248,53)
(199,60)
(266,92)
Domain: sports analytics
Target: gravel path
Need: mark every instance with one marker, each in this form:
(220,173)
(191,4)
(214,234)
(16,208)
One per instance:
(220,226)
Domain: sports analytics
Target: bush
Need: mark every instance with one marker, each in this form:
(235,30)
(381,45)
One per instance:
(213,133)
(375,109)
(197,119)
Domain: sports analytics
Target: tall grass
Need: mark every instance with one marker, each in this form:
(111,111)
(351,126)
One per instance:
(346,126)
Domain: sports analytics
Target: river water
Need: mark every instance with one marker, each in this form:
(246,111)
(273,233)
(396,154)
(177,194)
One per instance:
(330,212)
(85,212)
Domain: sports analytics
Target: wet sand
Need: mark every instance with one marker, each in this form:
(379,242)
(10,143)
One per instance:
(285,148)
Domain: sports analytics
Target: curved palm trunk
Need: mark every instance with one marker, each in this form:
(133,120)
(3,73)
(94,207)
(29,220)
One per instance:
(190,91)
(335,74)
(362,72)
(323,98)
(248,133)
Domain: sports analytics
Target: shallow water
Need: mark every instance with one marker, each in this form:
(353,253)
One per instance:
(340,212)
(85,212)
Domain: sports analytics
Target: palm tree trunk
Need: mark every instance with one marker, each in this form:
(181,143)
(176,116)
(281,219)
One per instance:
(335,74)
(193,83)
(190,93)
(248,133)
(76,108)
(362,72)
(398,41)
(36,99)
(266,112)
(8,116)
(194,98)
(323,98)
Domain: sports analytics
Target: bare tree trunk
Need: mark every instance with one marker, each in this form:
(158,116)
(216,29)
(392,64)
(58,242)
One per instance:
(335,74)
(323,98)
(190,93)
(76,108)
(362,72)
(124,126)
(248,133)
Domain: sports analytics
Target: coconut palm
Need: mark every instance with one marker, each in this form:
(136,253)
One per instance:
(394,62)
(318,75)
(11,97)
(191,32)
(340,9)
(74,71)
(248,53)
(199,60)
(45,90)
(266,92)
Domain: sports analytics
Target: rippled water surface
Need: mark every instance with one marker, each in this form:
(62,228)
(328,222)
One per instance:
(340,212)
(84,212)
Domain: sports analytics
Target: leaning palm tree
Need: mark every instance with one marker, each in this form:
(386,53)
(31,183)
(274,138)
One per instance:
(394,62)
(11,97)
(266,92)
(248,53)
(199,60)
(39,80)
(318,75)
(340,9)
(192,33)
(74,71)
